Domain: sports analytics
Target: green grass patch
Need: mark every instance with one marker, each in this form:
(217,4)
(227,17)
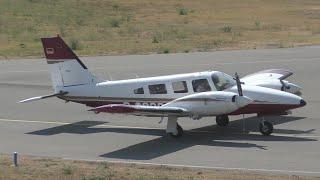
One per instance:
(143,26)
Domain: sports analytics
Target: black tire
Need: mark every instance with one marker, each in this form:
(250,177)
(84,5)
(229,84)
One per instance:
(180,132)
(222,121)
(266,128)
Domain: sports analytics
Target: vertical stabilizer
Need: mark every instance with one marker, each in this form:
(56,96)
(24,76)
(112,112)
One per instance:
(66,68)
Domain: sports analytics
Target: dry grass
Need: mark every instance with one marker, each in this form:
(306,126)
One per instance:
(144,26)
(54,168)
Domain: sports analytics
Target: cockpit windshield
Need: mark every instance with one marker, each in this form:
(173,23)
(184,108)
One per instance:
(222,81)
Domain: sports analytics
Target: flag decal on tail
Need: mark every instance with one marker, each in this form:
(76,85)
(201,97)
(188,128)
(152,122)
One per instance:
(49,50)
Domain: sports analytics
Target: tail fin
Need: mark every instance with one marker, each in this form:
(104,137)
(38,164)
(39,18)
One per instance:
(66,68)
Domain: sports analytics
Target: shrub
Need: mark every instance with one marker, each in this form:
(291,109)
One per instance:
(227,29)
(22,45)
(98,178)
(115,23)
(257,24)
(166,50)
(75,45)
(155,39)
(67,170)
(183,11)
(115,7)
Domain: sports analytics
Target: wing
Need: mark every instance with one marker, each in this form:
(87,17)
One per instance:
(279,74)
(139,110)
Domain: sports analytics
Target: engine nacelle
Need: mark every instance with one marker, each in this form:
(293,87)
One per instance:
(281,85)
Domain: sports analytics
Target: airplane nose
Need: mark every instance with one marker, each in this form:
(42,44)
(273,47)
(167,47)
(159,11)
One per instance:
(303,102)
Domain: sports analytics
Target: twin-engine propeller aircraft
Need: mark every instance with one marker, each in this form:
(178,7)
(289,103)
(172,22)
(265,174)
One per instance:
(193,95)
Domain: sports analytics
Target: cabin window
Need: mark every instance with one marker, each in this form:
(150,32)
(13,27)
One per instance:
(180,87)
(157,89)
(139,91)
(201,85)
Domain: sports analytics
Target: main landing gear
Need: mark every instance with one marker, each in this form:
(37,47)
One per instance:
(178,133)
(173,128)
(222,120)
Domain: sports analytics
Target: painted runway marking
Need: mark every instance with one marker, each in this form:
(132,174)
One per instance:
(137,127)
(204,167)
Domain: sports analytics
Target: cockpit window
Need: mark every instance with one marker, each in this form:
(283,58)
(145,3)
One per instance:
(222,81)
(201,85)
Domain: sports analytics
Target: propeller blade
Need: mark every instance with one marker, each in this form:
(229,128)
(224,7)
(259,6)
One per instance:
(238,84)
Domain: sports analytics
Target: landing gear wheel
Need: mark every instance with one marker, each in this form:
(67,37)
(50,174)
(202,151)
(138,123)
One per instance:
(179,132)
(222,120)
(266,128)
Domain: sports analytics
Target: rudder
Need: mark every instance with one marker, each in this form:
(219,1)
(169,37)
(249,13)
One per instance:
(66,68)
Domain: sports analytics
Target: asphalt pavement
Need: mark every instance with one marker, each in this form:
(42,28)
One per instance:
(58,129)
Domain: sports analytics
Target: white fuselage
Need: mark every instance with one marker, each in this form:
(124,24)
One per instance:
(157,91)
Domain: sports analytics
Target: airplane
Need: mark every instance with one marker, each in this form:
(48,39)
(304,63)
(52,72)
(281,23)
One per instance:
(194,95)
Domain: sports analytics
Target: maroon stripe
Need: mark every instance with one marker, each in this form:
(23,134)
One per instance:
(264,109)
(101,103)
(114,109)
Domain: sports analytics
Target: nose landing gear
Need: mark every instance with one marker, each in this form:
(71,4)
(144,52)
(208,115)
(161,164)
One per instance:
(265,127)
(222,120)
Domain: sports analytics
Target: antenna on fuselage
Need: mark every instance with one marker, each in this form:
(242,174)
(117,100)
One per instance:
(238,84)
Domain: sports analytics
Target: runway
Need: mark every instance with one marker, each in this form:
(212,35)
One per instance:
(54,128)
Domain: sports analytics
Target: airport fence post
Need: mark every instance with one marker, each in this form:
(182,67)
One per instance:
(15,159)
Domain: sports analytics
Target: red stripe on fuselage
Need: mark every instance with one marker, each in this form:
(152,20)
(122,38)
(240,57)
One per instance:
(264,108)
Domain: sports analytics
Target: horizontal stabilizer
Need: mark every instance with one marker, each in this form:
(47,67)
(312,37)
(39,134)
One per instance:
(43,97)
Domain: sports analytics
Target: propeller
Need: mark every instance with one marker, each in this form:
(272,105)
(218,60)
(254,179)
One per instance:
(284,85)
(238,84)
